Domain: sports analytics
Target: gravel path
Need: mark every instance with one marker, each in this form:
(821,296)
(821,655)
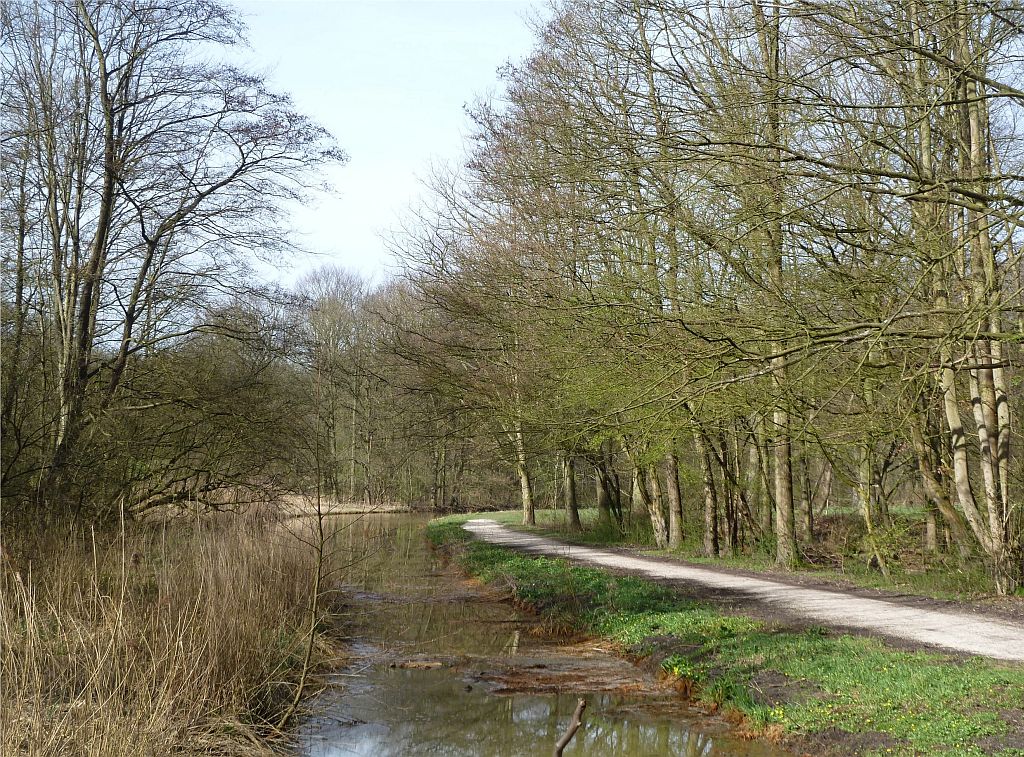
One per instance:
(951,630)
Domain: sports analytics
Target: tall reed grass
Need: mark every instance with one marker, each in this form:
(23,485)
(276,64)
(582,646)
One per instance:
(152,639)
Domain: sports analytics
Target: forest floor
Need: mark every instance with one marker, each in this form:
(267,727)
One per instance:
(762,651)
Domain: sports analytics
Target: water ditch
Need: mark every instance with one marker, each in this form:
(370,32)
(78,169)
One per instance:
(440,666)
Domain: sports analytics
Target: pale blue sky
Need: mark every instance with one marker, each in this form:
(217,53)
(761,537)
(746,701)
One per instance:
(389,79)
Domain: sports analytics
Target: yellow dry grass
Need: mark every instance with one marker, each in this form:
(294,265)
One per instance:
(151,640)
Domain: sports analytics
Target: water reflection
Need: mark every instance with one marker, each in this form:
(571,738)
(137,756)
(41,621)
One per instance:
(421,712)
(408,610)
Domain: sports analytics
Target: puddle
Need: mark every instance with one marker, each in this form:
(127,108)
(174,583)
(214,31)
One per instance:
(441,667)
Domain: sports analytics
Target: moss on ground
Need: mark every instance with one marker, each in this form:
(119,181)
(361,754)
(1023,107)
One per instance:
(916,703)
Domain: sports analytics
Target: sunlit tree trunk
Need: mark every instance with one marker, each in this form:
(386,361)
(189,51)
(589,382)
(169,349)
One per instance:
(523,471)
(655,502)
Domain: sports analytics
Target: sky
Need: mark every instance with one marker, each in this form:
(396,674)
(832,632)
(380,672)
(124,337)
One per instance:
(390,79)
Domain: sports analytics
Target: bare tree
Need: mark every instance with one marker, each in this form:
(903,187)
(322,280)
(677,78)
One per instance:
(150,176)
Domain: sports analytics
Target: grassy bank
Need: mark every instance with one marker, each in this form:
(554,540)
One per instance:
(832,693)
(153,639)
(838,556)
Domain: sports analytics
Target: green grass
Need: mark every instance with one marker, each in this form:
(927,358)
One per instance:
(927,703)
(945,580)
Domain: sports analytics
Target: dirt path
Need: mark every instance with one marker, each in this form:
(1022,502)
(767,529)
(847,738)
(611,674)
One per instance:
(948,629)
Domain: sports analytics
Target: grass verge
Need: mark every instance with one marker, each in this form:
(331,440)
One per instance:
(184,638)
(836,556)
(836,693)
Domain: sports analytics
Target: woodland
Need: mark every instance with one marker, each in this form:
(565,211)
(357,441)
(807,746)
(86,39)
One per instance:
(736,268)
(741,277)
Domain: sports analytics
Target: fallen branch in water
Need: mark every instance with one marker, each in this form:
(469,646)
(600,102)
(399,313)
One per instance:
(577,721)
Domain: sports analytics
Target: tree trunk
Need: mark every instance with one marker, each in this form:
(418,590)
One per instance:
(764,474)
(806,499)
(931,541)
(711,545)
(958,450)
(865,478)
(610,481)
(729,493)
(657,508)
(352,456)
(604,499)
(785,522)
(675,501)
(525,485)
(935,493)
(569,492)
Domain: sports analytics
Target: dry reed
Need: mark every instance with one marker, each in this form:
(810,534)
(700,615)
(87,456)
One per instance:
(178,638)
